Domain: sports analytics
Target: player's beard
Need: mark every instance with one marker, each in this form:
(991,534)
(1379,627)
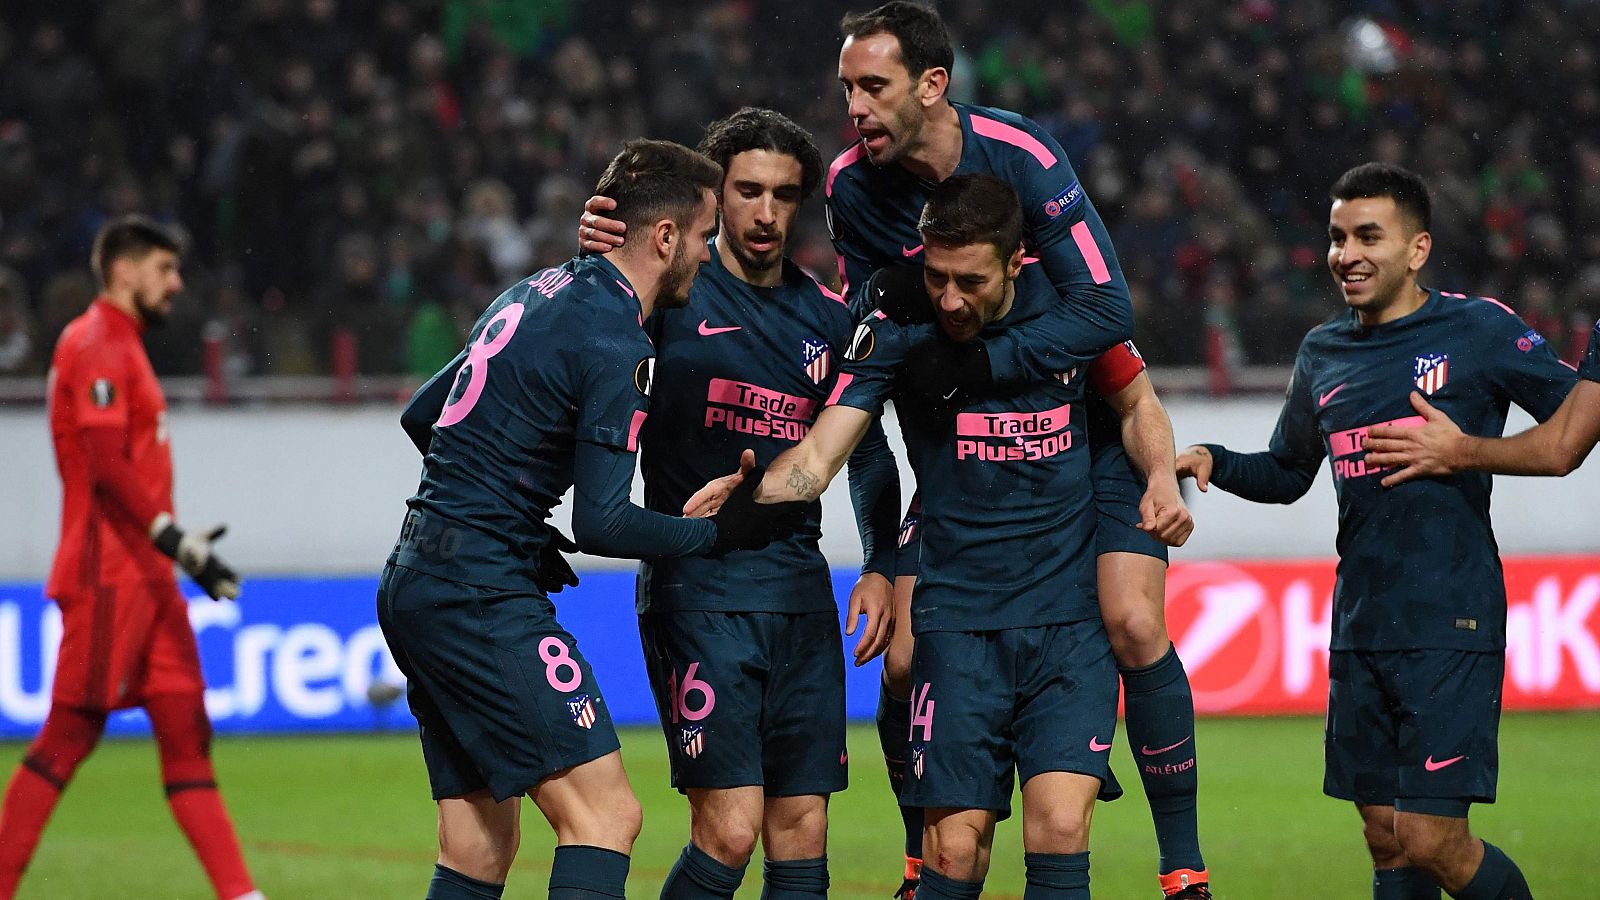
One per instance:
(679,277)
(904,132)
(153,315)
(763,261)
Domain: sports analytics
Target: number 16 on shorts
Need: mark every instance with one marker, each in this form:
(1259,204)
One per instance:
(683,712)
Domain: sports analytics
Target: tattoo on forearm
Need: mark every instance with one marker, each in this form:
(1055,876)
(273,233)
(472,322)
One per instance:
(806,485)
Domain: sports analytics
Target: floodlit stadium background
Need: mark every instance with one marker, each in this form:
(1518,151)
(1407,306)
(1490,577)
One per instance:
(360,177)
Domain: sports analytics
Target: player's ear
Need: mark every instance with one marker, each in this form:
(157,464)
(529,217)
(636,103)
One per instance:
(664,237)
(1421,246)
(932,85)
(1014,264)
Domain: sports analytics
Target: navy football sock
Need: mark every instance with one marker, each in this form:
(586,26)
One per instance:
(1057,876)
(1160,714)
(448,884)
(894,729)
(587,873)
(1498,878)
(796,879)
(698,874)
(1404,883)
(937,887)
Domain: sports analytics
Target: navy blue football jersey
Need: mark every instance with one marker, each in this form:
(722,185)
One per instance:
(744,367)
(558,360)
(1418,563)
(1589,369)
(873,213)
(1007,513)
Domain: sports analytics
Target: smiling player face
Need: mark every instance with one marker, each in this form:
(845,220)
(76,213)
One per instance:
(760,196)
(970,286)
(881,97)
(1374,253)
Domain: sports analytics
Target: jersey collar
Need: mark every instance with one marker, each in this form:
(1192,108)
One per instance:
(114,313)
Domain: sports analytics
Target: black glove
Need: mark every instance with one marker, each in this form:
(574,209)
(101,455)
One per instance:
(946,373)
(553,574)
(900,293)
(192,550)
(744,524)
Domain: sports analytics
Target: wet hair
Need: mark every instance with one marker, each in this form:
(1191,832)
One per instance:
(1405,187)
(129,237)
(924,41)
(753,128)
(972,209)
(655,180)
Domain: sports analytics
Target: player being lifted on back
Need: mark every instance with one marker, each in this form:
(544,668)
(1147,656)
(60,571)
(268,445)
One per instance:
(549,393)
(895,68)
(1555,446)
(1418,650)
(1012,670)
(744,651)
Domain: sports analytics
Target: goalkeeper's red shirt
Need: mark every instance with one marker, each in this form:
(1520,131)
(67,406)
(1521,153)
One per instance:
(108,419)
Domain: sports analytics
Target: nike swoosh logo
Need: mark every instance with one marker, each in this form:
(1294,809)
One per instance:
(1323,400)
(1096,746)
(1432,766)
(1148,752)
(911,252)
(951,394)
(707,331)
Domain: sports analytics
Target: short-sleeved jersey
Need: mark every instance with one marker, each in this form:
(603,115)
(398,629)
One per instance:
(1589,369)
(739,367)
(1007,518)
(558,358)
(1418,563)
(100,377)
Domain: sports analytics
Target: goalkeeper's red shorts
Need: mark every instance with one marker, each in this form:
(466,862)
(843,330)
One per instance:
(124,642)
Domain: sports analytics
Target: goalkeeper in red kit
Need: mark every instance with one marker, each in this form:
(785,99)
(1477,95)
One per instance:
(126,639)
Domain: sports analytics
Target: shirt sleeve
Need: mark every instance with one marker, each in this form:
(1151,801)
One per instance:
(1115,369)
(428,402)
(1525,370)
(875,495)
(876,350)
(99,384)
(1071,242)
(1589,369)
(607,523)
(1285,471)
(614,392)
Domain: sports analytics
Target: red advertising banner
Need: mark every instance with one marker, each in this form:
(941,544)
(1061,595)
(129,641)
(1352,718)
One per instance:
(1254,635)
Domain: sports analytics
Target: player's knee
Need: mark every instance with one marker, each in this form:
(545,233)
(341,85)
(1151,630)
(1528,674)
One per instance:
(798,833)
(1429,846)
(625,817)
(897,669)
(1383,844)
(1058,829)
(1138,635)
(729,841)
(958,849)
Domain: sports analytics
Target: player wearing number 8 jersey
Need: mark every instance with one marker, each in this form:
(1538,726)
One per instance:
(550,393)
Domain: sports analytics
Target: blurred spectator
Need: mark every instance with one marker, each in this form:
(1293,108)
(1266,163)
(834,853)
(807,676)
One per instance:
(16,324)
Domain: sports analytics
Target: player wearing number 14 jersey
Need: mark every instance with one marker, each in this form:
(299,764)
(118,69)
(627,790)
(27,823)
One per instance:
(1419,627)
(550,393)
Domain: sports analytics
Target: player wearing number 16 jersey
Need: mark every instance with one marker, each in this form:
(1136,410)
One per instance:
(1419,627)
(549,394)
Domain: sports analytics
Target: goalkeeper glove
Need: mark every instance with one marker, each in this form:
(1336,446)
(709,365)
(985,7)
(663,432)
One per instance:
(192,551)
(744,524)
(554,574)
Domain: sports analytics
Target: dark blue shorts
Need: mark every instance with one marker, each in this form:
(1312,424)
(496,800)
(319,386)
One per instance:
(1117,492)
(749,698)
(1414,729)
(1039,699)
(500,691)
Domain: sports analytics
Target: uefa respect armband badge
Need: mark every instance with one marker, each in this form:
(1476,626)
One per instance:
(1071,196)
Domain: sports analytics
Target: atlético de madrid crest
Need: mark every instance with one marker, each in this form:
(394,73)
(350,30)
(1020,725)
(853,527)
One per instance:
(692,740)
(1431,372)
(814,356)
(582,711)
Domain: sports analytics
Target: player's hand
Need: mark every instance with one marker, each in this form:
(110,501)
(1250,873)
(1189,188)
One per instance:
(743,523)
(709,499)
(871,599)
(193,553)
(596,233)
(554,574)
(1195,462)
(899,292)
(946,373)
(1428,451)
(1163,513)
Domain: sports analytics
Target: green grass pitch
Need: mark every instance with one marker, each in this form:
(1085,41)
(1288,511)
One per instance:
(349,816)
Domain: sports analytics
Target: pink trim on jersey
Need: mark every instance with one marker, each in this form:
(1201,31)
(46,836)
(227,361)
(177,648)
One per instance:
(763,400)
(844,280)
(1014,424)
(639,416)
(1348,443)
(629,290)
(1084,238)
(843,161)
(1029,260)
(879,314)
(826,291)
(1499,304)
(838,388)
(1014,136)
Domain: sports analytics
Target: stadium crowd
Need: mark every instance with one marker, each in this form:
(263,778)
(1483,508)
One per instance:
(386,167)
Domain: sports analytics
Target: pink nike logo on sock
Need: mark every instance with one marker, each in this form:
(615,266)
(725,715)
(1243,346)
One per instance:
(1432,766)
(910,252)
(707,331)
(1148,752)
(1096,746)
(1323,400)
